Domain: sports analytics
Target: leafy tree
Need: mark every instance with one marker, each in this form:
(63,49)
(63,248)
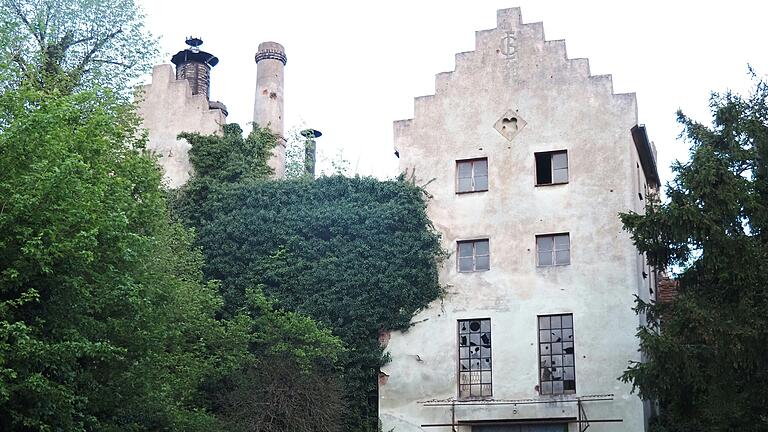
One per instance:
(69,44)
(707,350)
(105,323)
(357,254)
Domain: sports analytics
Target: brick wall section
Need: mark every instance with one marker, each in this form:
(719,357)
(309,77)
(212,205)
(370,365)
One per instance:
(666,290)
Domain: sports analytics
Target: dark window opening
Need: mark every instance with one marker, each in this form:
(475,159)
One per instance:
(475,358)
(557,371)
(551,167)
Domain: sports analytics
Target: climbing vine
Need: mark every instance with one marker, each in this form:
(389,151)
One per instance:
(358,254)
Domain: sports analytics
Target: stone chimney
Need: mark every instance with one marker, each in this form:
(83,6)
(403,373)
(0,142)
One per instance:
(268,105)
(195,66)
(310,150)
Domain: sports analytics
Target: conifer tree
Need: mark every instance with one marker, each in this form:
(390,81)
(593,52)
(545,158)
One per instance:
(707,351)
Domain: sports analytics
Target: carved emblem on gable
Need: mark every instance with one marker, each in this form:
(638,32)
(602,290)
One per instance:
(510,124)
(508,45)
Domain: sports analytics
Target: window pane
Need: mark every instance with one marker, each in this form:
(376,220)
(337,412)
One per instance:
(465,249)
(486,364)
(465,264)
(562,257)
(482,263)
(562,241)
(481,167)
(481,247)
(481,183)
(545,258)
(560,175)
(544,243)
(465,184)
(546,387)
(464,391)
(543,168)
(556,321)
(544,322)
(464,169)
(544,336)
(560,160)
(568,320)
(485,325)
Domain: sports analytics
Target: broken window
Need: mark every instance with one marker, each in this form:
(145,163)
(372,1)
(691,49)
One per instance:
(553,250)
(551,167)
(475,358)
(474,255)
(557,373)
(472,175)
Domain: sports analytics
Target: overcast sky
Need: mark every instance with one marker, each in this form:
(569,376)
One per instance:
(355,66)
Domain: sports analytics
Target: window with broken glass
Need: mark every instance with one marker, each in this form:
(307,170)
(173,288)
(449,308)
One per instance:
(475,358)
(551,167)
(472,175)
(474,255)
(553,250)
(557,372)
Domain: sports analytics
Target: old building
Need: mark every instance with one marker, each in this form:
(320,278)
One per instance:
(179,102)
(529,159)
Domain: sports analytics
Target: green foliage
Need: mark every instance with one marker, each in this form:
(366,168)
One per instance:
(707,351)
(105,323)
(358,254)
(64,45)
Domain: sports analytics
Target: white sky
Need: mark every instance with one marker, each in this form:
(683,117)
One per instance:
(355,66)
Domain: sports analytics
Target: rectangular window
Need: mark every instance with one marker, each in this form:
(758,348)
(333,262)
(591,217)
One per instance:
(475,358)
(472,175)
(551,167)
(553,250)
(557,372)
(474,255)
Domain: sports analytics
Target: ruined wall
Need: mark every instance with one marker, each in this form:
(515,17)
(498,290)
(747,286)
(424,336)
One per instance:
(167,108)
(515,83)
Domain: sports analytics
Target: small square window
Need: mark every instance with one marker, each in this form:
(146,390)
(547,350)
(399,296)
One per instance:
(474,255)
(553,250)
(472,175)
(557,372)
(551,167)
(475,378)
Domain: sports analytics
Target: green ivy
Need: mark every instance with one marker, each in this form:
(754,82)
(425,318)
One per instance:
(358,254)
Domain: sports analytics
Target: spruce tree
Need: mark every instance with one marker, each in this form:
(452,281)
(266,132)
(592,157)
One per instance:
(707,351)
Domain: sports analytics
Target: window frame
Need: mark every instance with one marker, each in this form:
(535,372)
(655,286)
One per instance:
(554,249)
(552,169)
(468,357)
(562,365)
(474,254)
(471,161)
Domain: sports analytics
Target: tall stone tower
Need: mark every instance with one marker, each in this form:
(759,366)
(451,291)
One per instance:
(268,104)
(178,102)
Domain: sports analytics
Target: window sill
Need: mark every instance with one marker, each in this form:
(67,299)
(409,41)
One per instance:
(472,271)
(471,192)
(550,184)
(551,266)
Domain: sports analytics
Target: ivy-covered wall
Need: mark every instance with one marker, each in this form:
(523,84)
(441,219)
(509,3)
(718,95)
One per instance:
(358,254)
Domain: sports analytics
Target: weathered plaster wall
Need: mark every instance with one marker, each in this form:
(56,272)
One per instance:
(167,108)
(564,107)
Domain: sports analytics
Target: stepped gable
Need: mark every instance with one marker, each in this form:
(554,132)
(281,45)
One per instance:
(516,54)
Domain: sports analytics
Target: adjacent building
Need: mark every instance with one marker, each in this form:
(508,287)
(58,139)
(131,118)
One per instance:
(528,159)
